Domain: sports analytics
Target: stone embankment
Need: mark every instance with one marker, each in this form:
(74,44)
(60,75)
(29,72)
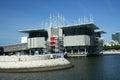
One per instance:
(111,52)
(32,63)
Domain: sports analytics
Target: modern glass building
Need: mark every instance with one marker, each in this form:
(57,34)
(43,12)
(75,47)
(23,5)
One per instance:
(84,39)
(116,37)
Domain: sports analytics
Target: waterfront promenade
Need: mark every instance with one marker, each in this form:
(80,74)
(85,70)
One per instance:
(32,63)
(111,52)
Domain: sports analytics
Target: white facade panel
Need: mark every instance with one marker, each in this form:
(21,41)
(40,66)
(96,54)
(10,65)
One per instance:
(78,40)
(24,39)
(54,32)
(38,42)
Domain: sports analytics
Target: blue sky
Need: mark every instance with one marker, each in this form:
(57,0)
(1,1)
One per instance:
(28,14)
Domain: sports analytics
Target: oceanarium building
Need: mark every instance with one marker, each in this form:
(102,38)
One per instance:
(84,39)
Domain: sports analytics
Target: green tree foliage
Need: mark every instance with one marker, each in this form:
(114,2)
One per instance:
(114,47)
(105,47)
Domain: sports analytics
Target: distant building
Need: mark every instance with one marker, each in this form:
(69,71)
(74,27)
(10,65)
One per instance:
(116,37)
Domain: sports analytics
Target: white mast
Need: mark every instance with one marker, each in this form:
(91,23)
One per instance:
(63,21)
(79,20)
(91,19)
(58,20)
(84,20)
(51,21)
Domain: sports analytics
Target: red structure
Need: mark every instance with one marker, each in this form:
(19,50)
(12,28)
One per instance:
(53,41)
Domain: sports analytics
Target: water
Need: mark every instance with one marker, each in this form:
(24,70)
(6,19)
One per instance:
(106,67)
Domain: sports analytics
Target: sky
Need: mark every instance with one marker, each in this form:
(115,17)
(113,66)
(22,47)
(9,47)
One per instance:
(18,15)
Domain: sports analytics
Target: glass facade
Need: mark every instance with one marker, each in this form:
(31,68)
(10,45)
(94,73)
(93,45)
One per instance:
(38,34)
(1,50)
(76,30)
(98,34)
(116,37)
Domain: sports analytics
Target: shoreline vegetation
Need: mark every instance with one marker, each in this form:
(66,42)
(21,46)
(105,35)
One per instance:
(114,49)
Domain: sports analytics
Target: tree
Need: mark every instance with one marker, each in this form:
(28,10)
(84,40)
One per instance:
(105,47)
(114,47)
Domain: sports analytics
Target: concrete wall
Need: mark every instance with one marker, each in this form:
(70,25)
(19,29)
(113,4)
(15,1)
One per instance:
(24,39)
(38,42)
(78,40)
(15,47)
(23,58)
(54,32)
(39,65)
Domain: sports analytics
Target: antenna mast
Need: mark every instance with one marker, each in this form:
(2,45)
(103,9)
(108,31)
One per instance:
(91,19)
(51,24)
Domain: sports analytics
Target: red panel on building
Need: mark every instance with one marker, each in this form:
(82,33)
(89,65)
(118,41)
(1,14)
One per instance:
(53,38)
(53,41)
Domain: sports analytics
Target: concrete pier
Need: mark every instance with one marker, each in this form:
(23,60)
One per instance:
(32,63)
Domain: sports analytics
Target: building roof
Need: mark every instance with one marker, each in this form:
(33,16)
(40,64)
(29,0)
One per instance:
(33,30)
(91,25)
(100,31)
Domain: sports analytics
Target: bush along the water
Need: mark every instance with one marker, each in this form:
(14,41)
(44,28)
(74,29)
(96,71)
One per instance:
(114,47)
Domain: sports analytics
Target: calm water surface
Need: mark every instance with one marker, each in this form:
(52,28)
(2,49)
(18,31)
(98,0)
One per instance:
(106,67)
